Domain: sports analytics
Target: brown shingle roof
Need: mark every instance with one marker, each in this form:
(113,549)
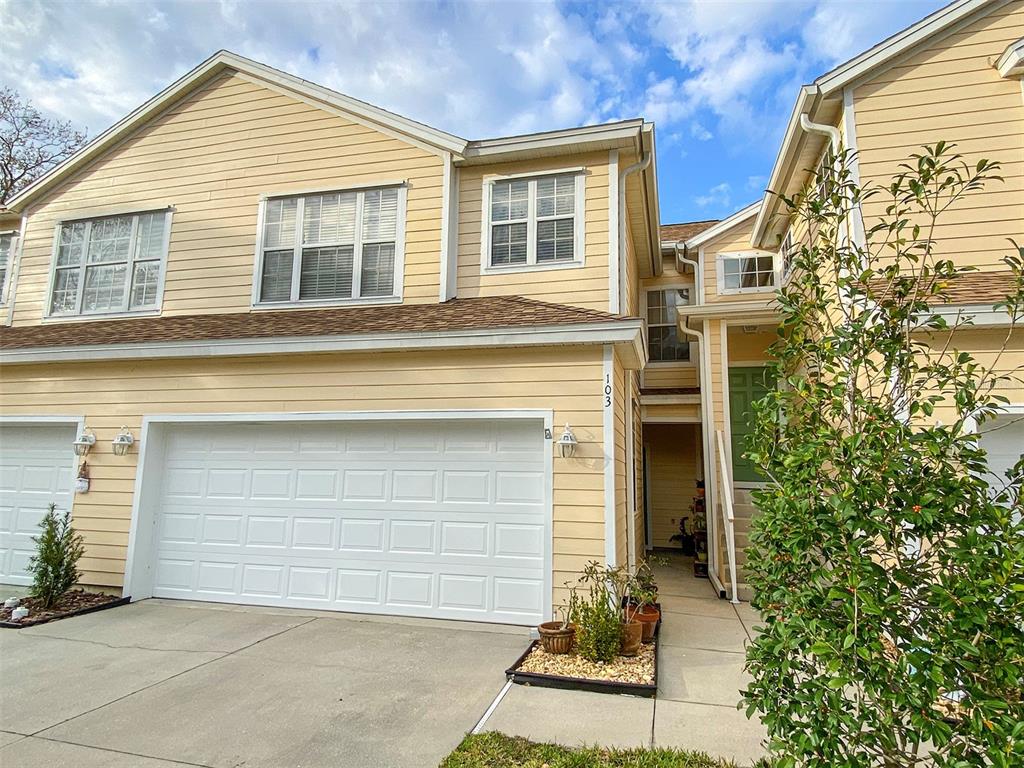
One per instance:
(455,315)
(971,287)
(677,233)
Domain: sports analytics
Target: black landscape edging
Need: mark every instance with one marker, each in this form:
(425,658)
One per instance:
(645,690)
(80,612)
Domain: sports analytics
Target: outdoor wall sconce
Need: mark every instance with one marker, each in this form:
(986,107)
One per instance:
(85,441)
(123,442)
(567,443)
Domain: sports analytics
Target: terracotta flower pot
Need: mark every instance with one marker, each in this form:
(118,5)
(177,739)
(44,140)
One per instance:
(555,638)
(632,634)
(648,616)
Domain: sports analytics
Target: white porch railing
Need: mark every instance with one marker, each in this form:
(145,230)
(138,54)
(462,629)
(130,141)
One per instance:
(728,516)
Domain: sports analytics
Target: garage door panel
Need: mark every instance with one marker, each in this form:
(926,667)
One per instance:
(439,519)
(36,469)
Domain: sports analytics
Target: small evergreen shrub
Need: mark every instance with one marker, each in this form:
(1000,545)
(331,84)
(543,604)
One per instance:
(54,567)
(598,630)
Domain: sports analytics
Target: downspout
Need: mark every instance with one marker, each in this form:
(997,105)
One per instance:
(644,162)
(820,128)
(705,415)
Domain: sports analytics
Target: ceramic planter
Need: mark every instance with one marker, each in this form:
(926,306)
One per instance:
(648,616)
(632,635)
(555,638)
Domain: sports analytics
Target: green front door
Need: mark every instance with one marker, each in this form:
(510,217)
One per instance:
(746,386)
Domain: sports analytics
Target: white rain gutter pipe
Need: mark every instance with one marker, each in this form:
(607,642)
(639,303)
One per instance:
(820,128)
(643,163)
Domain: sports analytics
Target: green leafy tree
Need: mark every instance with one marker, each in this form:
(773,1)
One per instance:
(887,563)
(54,567)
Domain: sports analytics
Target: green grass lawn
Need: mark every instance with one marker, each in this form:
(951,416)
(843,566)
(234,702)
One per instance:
(495,750)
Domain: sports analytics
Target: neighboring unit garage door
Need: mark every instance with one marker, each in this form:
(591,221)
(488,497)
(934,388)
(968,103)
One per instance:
(36,468)
(424,518)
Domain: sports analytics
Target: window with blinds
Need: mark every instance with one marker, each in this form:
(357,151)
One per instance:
(535,222)
(329,247)
(109,265)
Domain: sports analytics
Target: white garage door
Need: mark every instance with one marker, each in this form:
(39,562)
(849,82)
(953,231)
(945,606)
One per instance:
(443,519)
(36,468)
(1003,439)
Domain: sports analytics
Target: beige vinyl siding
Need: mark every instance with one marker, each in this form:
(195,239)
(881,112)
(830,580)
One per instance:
(948,90)
(672,412)
(667,375)
(111,394)
(734,240)
(986,346)
(211,156)
(750,348)
(585,286)
(631,277)
(672,461)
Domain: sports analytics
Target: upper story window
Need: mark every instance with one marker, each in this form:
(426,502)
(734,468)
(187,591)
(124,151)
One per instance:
(663,342)
(533,223)
(6,255)
(109,265)
(746,272)
(331,247)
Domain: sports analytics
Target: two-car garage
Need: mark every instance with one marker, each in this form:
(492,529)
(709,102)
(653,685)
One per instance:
(411,516)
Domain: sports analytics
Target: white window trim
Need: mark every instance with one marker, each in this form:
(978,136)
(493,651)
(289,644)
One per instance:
(783,274)
(48,315)
(666,364)
(720,271)
(398,286)
(579,218)
(10,263)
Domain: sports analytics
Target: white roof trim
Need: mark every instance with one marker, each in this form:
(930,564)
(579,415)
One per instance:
(723,226)
(1011,63)
(857,67)
(835,80)
(753,309)
(213,66)
(624,333)
(485,149)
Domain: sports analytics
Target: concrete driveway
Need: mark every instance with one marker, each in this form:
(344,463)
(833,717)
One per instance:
(163,683)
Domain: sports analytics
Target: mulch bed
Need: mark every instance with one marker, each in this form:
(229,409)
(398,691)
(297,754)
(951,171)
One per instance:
(72,603)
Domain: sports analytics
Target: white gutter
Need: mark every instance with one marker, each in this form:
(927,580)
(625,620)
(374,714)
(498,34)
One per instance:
(821,128)
(626,334)
(616,301)
(698,274)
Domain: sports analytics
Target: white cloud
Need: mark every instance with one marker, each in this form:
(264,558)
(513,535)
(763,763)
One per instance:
(719,196)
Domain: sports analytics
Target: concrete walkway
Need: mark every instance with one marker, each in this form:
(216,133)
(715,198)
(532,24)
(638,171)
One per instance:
(699,678)
(166,683)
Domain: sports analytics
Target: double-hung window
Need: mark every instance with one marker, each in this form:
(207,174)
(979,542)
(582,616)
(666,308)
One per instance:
(533,222)
(787,252)
(109,265)
(746,272)
(6,258)
(663,342)
(331,247)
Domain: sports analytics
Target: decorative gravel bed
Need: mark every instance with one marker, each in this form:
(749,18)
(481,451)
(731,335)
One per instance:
(72,603)
(638,670)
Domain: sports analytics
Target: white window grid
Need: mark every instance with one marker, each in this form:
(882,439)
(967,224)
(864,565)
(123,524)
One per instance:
(84,248)
(665,315)
(8,242)
(748,272)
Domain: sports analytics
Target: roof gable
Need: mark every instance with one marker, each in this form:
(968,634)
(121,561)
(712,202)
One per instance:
(226,62)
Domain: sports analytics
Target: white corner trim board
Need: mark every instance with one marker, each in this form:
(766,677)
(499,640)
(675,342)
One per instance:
(608,433)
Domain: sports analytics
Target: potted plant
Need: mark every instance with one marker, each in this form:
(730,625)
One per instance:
(597,617)
(644,610)
(559,636)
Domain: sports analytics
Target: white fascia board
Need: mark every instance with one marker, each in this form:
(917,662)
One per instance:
(213,66)
(487,150)
(979,315)
(755,310)
(670,399)
(1011,63)
(650,175)
(854,69)
(625,334)
(787,152)
(724,225)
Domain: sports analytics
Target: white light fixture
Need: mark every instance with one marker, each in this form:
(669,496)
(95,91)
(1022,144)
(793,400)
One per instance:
(123,442)
(567,443)
(86,440)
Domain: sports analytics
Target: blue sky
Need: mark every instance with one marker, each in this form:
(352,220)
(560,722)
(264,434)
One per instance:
(718,78)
